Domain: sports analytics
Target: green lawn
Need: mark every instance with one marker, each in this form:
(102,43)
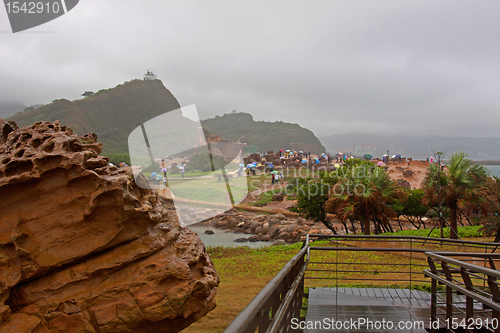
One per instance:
(209,189)
(463,232)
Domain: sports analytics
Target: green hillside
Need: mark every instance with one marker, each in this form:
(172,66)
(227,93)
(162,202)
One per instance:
(265,135)
(111,113)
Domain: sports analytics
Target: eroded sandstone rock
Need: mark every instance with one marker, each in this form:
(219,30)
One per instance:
(84,249)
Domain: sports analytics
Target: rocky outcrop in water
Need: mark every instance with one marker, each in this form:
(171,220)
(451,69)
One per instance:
(273,227)
(84,249)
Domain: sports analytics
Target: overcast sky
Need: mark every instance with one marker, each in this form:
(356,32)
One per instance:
(409,67)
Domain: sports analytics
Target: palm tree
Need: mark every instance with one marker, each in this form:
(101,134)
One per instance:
(364,195)
(462,187)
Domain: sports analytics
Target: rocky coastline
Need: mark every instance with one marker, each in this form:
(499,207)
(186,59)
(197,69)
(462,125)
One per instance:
(274,228)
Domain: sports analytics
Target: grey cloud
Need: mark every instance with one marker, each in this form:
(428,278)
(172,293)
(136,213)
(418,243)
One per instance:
(406,67)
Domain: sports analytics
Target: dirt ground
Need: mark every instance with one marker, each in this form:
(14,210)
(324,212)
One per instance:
(419,169)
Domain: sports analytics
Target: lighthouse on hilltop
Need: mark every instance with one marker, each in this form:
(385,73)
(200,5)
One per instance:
(150,75)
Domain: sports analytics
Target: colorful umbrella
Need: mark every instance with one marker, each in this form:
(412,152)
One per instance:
(380,163)
(274,172)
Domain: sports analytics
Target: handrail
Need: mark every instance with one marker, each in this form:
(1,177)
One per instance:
(464,291)
(279,298)
(472,267)
(408,238)
(245,318)
(449,275)
(280,314)
(381,249)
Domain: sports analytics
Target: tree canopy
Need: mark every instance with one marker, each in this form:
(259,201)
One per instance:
(462,186)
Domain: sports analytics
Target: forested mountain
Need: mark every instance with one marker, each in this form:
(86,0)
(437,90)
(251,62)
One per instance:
(111,113)
(265,135)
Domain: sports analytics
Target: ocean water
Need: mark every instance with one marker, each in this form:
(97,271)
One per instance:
(223,238)
(495,169)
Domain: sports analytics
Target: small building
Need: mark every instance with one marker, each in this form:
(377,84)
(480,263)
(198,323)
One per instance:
(364,148)
(150,75)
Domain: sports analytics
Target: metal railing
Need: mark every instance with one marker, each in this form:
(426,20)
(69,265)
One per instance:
(471,297)
(403,259)
(331,264)
(281,299)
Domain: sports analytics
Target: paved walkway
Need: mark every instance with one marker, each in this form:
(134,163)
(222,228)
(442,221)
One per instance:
(375,305)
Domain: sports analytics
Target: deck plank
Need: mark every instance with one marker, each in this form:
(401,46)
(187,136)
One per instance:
(373,304)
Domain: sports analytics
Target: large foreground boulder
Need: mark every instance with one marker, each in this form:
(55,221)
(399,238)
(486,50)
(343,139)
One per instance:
(83,248)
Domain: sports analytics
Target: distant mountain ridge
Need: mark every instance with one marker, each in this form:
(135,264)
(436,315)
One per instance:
(111,113)
(416,147)
(240,126)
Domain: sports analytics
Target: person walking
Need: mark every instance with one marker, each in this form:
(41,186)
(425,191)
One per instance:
(163,168)
(153,177)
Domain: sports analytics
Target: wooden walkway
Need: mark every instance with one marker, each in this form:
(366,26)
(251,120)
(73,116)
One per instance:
(357,307)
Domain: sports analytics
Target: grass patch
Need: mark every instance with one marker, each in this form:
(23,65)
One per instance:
(188,174)
(209,189)
(243,272)
(265,198)
(463,232)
